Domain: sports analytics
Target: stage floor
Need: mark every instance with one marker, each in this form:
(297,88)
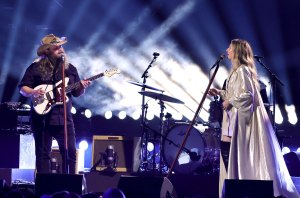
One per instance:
(142,184)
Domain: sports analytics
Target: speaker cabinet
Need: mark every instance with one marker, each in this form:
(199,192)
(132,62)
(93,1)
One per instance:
(126,148)
(248,188)
(47,183)
(146,187)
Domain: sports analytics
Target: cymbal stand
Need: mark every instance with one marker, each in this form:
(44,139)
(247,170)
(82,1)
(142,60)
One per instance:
(144,140)
(161,116)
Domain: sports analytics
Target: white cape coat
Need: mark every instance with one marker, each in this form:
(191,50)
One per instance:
(255,153)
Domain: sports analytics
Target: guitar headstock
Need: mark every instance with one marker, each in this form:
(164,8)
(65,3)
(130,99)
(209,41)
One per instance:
(111,72)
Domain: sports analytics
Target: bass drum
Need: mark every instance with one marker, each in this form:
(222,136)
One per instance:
(195,155)
(185,164)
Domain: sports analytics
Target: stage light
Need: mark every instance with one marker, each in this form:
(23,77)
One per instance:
(83,145)
(278,115)
(150,146)
(290,109)
(136,115)
(122,115)
(108,115)
(149,116)
(73,110)
(88,113)
(285,150)
(298,150)
(54,143)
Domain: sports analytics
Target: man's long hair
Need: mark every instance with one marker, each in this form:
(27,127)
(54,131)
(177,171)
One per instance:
(47,67)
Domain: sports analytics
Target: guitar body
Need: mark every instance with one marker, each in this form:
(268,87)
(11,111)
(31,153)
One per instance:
(53,96)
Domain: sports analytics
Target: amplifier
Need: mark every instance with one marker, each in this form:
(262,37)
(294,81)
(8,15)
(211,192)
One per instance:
(126,151)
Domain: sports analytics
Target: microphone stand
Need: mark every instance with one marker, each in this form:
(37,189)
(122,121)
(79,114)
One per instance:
(196,114)
(274,78)
(63,95)
(144,141)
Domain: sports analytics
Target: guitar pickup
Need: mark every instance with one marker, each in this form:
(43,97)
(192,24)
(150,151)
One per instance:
(48,96)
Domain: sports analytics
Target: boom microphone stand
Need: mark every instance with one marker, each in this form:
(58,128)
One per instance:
(196,114)
(274,79)
(144,141)
(63,91)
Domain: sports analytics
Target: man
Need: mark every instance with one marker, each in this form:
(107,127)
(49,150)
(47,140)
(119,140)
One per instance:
(47,112)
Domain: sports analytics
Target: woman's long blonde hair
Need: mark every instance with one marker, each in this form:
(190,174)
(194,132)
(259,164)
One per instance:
(243,55)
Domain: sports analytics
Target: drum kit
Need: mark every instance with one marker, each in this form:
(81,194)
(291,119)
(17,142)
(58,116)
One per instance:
(199,155)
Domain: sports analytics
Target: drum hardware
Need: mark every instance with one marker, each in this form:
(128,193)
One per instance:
(144,85)
(144,135)
(161,97)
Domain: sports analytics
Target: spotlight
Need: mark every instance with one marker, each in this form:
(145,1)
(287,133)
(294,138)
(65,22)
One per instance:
(83,145)
(73,110)
(54,143)
(136,115)
(150,146)
(150,116)
(88,113)
(122,115)
(285,150)
(108,115)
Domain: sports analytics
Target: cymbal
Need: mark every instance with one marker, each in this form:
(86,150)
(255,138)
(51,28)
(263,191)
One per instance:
(144,85)
(162,97)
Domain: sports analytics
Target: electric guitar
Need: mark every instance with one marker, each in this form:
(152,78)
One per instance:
(53,93)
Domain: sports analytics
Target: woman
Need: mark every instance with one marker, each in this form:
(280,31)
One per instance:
(249,148)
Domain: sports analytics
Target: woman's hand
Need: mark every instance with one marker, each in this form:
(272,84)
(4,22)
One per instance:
(213,92)
(226,105)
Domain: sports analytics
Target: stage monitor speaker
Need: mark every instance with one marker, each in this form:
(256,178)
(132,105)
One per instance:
(47,183)
(146,187)
(127,151)
(248,188)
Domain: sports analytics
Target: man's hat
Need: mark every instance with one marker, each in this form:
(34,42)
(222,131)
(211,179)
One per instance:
(49,40)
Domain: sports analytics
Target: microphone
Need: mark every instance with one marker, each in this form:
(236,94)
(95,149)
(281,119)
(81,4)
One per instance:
(222,57)
(110,153)
(258,57)
(155,54)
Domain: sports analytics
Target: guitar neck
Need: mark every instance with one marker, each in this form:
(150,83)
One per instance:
(77,84)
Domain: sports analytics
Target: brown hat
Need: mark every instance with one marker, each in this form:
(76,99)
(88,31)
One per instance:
(49,40)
